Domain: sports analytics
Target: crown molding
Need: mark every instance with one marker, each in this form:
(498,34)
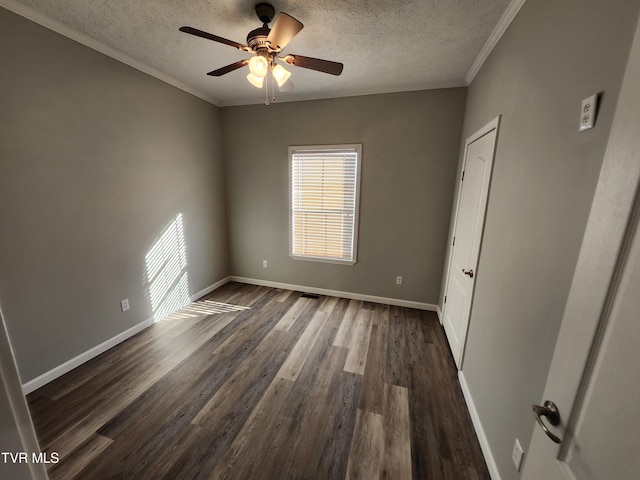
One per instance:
(504,22)
(94,44)
(236,102)
(84,39)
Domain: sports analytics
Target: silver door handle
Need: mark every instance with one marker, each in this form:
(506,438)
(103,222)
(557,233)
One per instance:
(550,411)
(468,272)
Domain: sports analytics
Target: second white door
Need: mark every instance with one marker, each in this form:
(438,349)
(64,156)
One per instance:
(469,223)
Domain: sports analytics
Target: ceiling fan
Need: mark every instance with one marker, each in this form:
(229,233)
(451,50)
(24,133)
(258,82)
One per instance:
(266,44)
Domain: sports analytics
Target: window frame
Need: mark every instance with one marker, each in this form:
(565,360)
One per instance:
(350,147)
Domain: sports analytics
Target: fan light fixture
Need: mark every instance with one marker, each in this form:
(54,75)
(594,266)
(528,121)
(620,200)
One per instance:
(259,66)
(255,80)
(280,74)
(259,69)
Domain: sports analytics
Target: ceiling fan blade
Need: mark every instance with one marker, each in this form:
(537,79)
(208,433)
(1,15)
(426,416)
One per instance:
(210,36)
(285,28)
(229,68)
(326,66)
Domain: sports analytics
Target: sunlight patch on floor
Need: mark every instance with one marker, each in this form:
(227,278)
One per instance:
(203,308)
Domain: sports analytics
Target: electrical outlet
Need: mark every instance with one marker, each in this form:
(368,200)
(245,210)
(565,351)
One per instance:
(588,112)
(399,280)
(264,264)
(124,304)
(517,455)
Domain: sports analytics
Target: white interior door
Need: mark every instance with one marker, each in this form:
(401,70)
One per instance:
(469,223)
(594,378)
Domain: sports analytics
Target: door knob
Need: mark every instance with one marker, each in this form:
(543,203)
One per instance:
(469,273)
(550,411)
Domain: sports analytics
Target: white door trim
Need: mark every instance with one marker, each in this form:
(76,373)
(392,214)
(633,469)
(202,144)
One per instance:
(492,125)
(17,424)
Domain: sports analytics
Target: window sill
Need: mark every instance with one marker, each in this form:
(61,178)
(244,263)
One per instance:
(323,260)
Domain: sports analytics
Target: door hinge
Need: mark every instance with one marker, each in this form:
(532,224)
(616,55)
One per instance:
(462,179)
(445,299)
(454,240)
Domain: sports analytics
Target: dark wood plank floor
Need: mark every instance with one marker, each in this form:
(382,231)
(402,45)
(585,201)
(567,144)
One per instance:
(260,383)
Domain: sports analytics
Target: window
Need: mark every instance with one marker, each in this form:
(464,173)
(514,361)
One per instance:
(324,188)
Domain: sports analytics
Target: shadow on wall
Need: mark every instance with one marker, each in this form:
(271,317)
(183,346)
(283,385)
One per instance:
(167,278)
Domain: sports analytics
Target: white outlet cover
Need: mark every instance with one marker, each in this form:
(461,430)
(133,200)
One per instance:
(124,304)
(517,455)
(588,112)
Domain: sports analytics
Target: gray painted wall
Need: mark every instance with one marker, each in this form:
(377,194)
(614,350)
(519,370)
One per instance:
(552,56)
(96,159)
(410,143)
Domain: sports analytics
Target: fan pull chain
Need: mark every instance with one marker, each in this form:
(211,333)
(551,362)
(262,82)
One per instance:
(266,90)
(273,91)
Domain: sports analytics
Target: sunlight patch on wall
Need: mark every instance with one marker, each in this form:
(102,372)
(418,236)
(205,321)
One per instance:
(166,271)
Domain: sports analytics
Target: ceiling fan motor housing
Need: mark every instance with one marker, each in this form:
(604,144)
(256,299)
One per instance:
(257,39)
(265,12)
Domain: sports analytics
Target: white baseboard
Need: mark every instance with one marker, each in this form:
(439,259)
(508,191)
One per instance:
(209,289)
(69,365)
(336,293)
(477,425)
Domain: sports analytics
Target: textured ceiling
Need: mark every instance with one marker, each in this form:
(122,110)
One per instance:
(385,46)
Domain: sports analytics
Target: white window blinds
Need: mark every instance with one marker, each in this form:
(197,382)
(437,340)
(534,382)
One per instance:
(324,202)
